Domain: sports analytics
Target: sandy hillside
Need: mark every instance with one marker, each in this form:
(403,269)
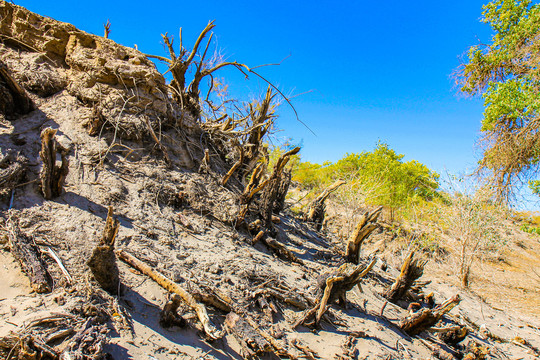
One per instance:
(254,278)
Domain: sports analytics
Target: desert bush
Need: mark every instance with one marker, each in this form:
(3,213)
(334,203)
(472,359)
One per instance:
(473,221)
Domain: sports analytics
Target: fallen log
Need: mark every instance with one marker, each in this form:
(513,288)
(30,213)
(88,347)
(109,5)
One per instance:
(365,226)
(102,263)
(411,270)
(29,257)
(52,176)
(173,287)
(334,286)
(424,319)
(316,209)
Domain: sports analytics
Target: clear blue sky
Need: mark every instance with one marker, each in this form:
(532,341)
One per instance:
(379,70)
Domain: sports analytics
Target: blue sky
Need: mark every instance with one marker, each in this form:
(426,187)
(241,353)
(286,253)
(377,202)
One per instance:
(378,70)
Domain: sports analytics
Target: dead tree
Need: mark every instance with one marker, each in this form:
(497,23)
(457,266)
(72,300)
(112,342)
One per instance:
(52,176)
(364,227)
(179,64)
(316,209)
(424,318)
(102,263)
(29,257)
(13,99)
(12,171)
(411,270)
(271,191)
(334,286)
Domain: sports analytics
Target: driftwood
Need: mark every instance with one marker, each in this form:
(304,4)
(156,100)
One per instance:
(363,229)
(25,347)
(13,99)
(272,190)
(52,176)
(316,209)
(102,263)
(334,286)
(424,319)
(12,171)
(411,270)
(29,257)
(173,287)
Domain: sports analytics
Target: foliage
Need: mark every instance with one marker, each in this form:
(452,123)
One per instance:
(507,75)
(381,175)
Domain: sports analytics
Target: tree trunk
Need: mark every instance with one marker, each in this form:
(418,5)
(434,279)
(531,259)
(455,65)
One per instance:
(52,176)
(411,270)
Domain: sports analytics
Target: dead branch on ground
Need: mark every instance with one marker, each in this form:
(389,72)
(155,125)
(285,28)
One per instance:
(365,226)
(173,287)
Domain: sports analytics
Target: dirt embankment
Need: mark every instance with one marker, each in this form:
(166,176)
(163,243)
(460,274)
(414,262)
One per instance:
(106,103)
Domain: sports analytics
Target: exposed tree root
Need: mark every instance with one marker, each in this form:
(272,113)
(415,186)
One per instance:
(315,214)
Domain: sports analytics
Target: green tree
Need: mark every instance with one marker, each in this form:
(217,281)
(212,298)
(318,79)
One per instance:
(507,75)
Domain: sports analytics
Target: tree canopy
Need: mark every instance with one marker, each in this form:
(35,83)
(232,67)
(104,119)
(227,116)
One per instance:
(507,75)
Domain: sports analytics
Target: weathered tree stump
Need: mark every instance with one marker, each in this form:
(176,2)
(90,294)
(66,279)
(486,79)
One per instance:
(411,270)
(28,256)
(102,263)
(283,189)
(424,319)
(316,209)
(334,286)
(273,188)
(52,176)
(366,225)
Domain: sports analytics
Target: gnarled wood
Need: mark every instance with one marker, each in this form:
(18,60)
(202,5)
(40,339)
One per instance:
(102,263)
(271,191)
(366,225)
(411,270)
(316,208)
(424,319)
(28,255)
(334,286)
